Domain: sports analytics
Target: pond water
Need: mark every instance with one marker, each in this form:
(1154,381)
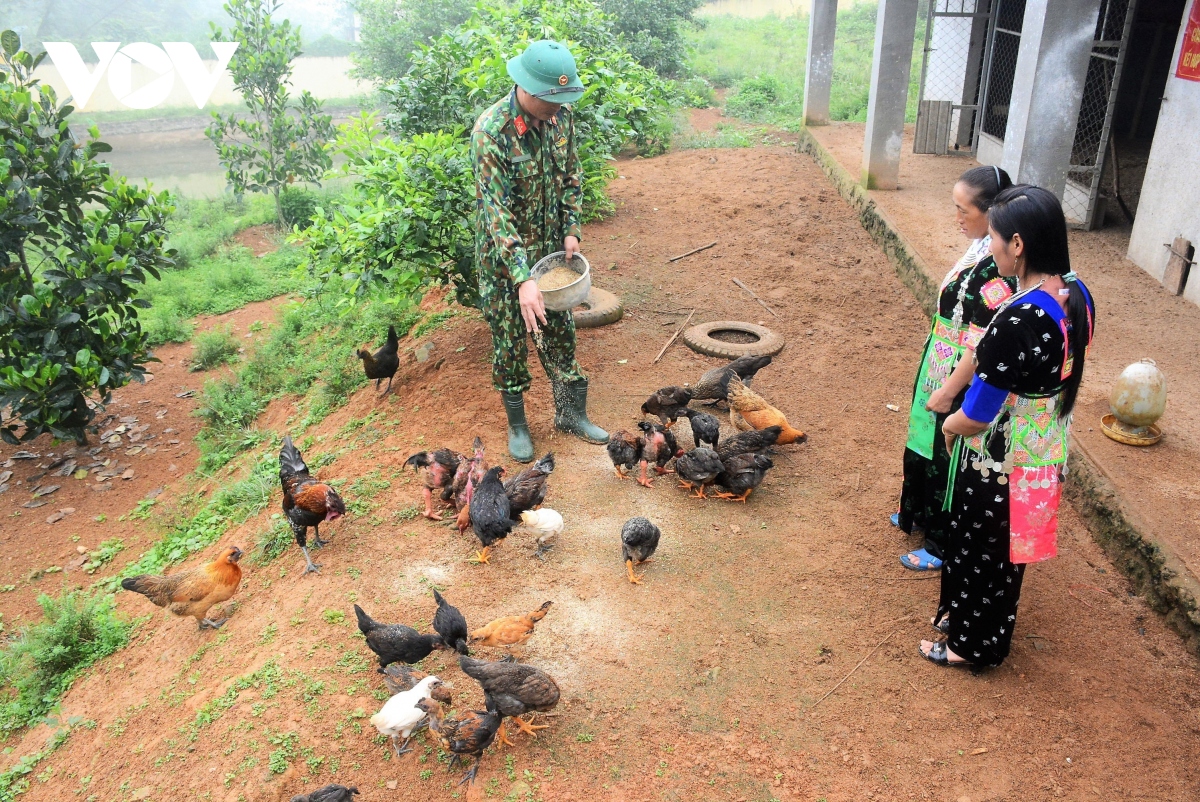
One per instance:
(763,8)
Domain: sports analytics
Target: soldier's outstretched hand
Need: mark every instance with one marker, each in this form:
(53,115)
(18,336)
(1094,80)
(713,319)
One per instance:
(533,309)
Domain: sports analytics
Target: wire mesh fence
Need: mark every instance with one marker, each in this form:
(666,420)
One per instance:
(1002,67)
(955,41)
(1081,199)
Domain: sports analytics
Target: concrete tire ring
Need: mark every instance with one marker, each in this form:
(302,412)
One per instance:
(699,339)
(602,308)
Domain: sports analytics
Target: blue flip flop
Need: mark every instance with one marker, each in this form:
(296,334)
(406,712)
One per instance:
(924,561)
(895,519)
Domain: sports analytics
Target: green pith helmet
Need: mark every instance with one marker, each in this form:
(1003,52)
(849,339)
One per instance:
(547,71)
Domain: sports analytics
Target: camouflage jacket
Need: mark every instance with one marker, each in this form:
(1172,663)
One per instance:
(528,189)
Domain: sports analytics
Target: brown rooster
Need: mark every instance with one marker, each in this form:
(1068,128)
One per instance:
(511,630)
(306,501)
(469,734)
(440,469)
(193,592)
(384,362)
(748,410)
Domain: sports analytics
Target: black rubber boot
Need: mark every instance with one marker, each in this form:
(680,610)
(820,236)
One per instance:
(570,404)
(520,443)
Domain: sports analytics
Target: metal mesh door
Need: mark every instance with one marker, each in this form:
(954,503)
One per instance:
(955,39)
(1081,198)
(1001,66)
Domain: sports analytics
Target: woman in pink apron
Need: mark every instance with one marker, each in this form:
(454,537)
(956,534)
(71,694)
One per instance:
(1008,442)
(970,295)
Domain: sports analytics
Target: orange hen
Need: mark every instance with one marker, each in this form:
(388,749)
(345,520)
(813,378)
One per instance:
(511,630)
(193,592)
(749,410)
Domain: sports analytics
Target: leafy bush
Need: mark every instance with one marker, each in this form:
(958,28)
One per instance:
(650,30)
(407,220)
(199,227)
(695,93)
(214,348)
(298,206)
(391,30)
(75,241)
(755,97)
(76,631)
(462,73)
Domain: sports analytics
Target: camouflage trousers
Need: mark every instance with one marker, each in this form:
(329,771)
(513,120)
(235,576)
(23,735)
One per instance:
(555,343)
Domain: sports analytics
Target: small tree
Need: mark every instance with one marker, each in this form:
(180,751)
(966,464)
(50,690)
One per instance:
(75,242)
(274,146)
(391,30)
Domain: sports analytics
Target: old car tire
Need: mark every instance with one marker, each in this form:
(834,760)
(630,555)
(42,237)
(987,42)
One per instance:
(699,339)
(602,308)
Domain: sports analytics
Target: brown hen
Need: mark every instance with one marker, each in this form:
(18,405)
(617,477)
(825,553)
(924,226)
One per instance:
(749,410)
(511,630)
(193,592)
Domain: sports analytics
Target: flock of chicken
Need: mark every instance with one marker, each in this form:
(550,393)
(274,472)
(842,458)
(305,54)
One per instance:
(493,508)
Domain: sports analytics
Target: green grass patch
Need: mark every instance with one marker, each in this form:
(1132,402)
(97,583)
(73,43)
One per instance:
(743,55)
(267,680)
(76,630)
(15,780)
(213,348)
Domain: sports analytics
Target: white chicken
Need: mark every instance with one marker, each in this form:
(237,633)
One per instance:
(547,525)
(400,715)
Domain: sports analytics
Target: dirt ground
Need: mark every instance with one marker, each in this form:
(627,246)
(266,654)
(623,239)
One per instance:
(771,653)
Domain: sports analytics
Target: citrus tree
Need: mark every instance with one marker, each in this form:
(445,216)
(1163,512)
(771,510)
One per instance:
(76,242)
(278,143)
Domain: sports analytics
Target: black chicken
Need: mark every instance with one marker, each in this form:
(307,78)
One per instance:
(749,442)
(469,735)
(450,624)
(440,469)
(705,428)
(639,539)
(661,447)
(625,451)
(528,488)
(698,469)
(394,643)
(713,386)
(400,677)
(513,689)
(667,404)
(742,474)
(384,362)
(490,512)
(306,501)
(329,793)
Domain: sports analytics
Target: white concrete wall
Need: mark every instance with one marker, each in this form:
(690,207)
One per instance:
(325,77)
(1170,202)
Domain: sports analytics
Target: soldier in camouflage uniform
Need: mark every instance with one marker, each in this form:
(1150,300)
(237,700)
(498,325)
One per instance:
(529,201)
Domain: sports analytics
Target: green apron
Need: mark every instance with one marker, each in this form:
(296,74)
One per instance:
(943,349)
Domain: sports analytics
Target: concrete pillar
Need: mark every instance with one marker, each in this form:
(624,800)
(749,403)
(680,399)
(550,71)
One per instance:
(1056,42)
(818,68)
(890,67)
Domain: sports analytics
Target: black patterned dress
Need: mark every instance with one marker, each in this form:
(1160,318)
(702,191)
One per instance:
(1008,479)
(970,294)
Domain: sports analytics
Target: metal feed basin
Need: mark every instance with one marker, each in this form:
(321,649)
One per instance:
(564,299)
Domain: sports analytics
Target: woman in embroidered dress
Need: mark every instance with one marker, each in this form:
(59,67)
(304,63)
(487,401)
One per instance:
(1008,442)
(970,294)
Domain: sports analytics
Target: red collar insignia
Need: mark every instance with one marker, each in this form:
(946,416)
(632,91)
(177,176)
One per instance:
(519,124)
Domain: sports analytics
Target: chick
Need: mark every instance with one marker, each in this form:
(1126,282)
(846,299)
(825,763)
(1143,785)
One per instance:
(661,447)
(400,715)
(450,624)
(749,442)
(469,734)
(328,793)
(667,404)
(697,469)
(547,525)
(399,677)
(512,630)
(625,449)
(705,427)
(742,474)
(639,540)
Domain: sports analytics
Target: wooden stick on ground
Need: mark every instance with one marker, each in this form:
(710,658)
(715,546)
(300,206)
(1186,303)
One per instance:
(755,297)
(860,662)
(693,250)
(673,336)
